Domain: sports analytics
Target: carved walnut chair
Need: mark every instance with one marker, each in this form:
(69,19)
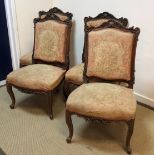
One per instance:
(50,58)
(110,57)
(74,76)
(27,58)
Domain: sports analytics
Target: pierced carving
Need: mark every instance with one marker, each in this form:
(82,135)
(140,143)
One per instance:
(56,10)
(107,15)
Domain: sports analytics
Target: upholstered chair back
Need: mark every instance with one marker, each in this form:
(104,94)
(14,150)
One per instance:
(52,39)
(110,52)
(94,22)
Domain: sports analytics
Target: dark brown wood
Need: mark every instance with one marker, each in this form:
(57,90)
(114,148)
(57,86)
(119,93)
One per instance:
(57,10)
(70,126)
(68,87)
(129,135)
(116,25)
(12,96)
(50,102)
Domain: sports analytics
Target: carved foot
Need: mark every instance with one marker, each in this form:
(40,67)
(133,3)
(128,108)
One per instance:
(128,150)
(51,117)
(50,102)
(70,126)
(12,106)
(68,140)
(129,135)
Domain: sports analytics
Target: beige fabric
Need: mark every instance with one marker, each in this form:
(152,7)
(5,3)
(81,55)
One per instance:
(109,54)
(26,59)
(96,23)
(75,74)
(62,17)
(102,100)
(43,16)
(37,77)
(50,41)
(28,131)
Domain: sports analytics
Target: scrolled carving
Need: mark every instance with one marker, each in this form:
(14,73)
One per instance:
(107,15)
(57,10)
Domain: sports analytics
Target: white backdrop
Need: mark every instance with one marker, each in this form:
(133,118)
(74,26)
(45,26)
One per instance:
(140,14)
(26,11)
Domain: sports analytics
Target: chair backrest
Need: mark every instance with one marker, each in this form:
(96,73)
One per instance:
(59,13)
(99,20)
(52,40)
(110,53)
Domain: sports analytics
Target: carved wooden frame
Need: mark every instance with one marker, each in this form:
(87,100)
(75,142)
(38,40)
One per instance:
(115,25)
(130,123)
(56,10)
(105,15)
(70,86)
(62,65)
(53,11)
(68,23)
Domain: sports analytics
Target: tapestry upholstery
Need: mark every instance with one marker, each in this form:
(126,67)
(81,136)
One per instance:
(26,59)
(96,22)
(37,77)
(62,17)
(103,100)
(75,74)
(50,41)
(43,16)
(109,54)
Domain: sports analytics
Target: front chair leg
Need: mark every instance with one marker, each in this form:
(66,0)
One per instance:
(12,96)
(129,135)
(70,126)
(50,102)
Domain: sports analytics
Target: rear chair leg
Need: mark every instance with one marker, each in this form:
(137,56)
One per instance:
(12,96)
(65,91)
(129,135)
(70,126)
(50,102)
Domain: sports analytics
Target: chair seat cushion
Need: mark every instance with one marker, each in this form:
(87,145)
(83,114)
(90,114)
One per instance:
(26,59)
(37,77)
(103,100)
(75,74)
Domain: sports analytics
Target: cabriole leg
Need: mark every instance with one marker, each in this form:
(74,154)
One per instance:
(70,126)
(50,102)
(12,96)
(129,135)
